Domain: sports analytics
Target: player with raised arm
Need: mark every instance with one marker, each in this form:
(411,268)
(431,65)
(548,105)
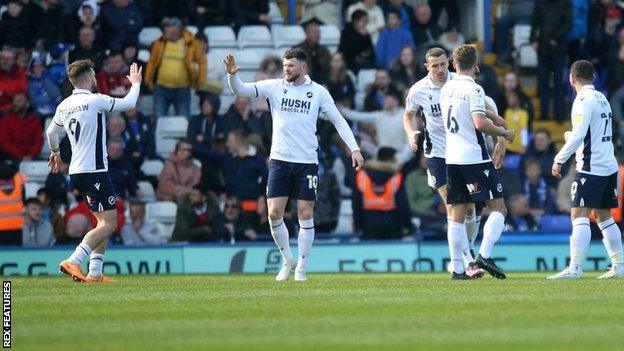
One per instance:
(595,185)
(423,101)
(471,176)
(81,115)
(296,103)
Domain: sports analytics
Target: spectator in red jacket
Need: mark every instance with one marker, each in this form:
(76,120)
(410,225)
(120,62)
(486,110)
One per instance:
(12,79)
(111,80)
(83,208)
(21,135)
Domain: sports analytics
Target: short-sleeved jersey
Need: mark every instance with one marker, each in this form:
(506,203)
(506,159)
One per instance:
(294,110)
(424,98)
(592,120)
(82,116)
(459,98)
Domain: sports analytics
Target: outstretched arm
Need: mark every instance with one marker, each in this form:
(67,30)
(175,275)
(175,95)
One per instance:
(237,86)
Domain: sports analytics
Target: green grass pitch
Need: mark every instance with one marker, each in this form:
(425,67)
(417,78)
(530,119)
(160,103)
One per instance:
(328,312)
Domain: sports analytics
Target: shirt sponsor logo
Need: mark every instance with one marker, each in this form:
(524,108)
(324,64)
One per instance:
(295,106)
(436,110)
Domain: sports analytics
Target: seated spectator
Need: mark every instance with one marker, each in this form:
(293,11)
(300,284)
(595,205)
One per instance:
(50,212)
(388,125)
(425,31)
(181,65)
(232,225)
(327,10)
(139,137)
(405,71)
(14,30)
(392,40)
(87,49)
(356,44)
(210,13)
(179,175)
(511,82)
(519,217)
(12,79)
(419,194)
(539,195)
(380,208)
(82,207)
(248,12)
(78,225)
(43,93)
(241,116)
(120,170)
(270,68)
(49,30)
(517,119)
(37,231)
(405,11)
(375,16)
(543,149)
(21,135)
(86,17)
(327,206)
(121,21)
(139,230)
(195,217)
(59,186)
(112,80)
(378,90)
(318,55)
(340,83)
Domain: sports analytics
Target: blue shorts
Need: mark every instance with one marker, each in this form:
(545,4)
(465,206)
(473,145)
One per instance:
(594,191)
(97,189)
(289,179)
(436,172)
(472,183)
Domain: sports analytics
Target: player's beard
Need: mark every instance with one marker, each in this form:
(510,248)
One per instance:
(293,78)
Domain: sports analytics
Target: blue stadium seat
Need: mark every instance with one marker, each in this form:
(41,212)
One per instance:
(512,162)
(556,223)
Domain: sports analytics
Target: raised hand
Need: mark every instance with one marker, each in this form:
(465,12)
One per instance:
(230,64)
(135,75)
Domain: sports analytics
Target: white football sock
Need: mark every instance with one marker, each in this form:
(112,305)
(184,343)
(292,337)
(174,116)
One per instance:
(492,230)
(95,264)
(458,242)
(472,228)
(80,253)
(280,235)
(304,242)
(612,239)
(579,241)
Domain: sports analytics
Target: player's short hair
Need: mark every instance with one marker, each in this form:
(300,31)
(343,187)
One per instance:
(78,69)
(465,57)
(33,201)
(296,53)
(434,52)
(582,69)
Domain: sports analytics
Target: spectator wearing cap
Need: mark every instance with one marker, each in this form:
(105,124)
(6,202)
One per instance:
(550,23)
(112,80)
(37,231)
(121,21)
(318,55)
(43,93)
(140,230)
(179,175)
(177,64)
(50,26)
(85,17)
(57,68)
(356,43)
(380,207)
(197,212)
(12,79)
(21,135)
(14,30)
(328,10)
(87,49)
(392,40)
(375,15)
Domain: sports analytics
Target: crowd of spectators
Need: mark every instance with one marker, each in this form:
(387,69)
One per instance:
(217,174)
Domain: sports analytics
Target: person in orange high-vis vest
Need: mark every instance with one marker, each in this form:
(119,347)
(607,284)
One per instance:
(380,207)
(11,205)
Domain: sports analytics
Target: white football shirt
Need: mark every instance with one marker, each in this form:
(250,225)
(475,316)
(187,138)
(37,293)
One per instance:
(424,98)
(459,98)
(82,116)
(592,134)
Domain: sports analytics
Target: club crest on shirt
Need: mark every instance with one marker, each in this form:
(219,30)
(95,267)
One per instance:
(309,94)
